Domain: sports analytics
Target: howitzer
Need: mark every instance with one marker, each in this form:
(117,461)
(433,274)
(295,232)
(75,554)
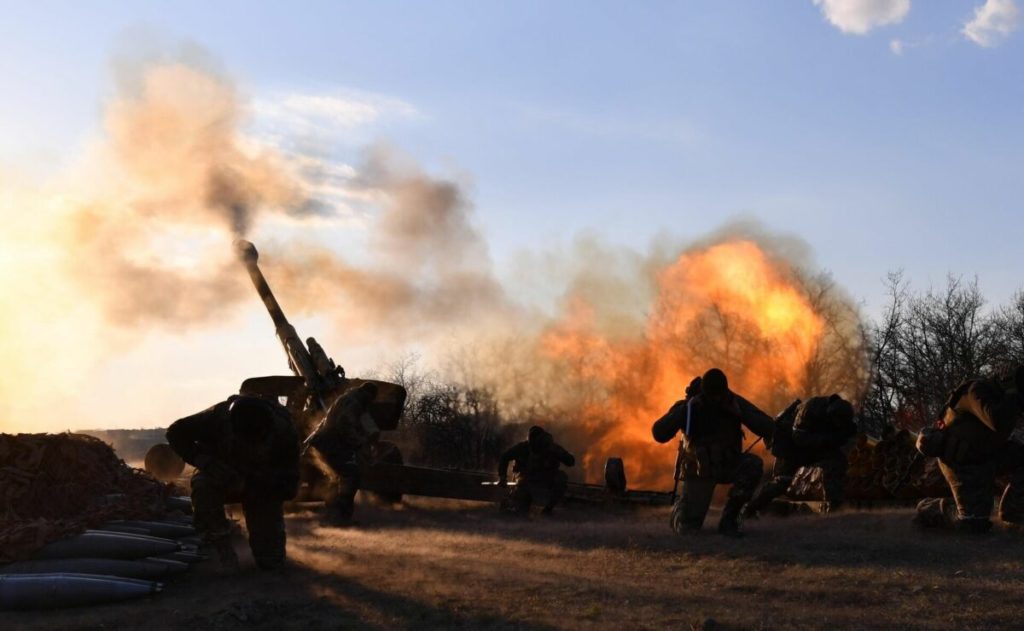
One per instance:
(317,380)
(315,384)
(318,372)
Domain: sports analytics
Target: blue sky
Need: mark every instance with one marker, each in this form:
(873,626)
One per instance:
(897,147)
(625,120)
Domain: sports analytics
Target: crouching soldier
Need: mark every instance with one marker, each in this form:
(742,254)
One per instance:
(809,434)
(712,424)
(245,450)
(978,439)
(540,480)
(341,439)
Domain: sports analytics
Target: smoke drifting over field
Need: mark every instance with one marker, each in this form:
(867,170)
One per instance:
(427,267)
(146,242)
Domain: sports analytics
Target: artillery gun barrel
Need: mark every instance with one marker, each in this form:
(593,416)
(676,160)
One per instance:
(298,355)
(249,256)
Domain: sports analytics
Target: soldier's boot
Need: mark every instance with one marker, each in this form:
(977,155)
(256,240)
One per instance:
(935,513)
(831,508)
(341,506)
(338,510)
(974,525)
(729,524)
(764,496)
(226,554)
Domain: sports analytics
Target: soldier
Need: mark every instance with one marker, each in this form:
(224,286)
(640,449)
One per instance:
(712,423)
(809,434)
(540,480)
(978,438)
(244,450)
(340,440)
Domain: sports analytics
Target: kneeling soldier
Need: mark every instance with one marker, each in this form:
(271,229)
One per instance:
(244,450)
(537,462)
(978,439)
(712,424)
(809,434)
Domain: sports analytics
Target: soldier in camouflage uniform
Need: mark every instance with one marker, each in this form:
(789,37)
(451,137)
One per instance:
(340,440)
(809,434)
(978,439)
(537,461)
(245,450)
(712,425)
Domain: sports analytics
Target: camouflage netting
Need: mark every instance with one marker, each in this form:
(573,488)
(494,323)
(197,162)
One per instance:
(882,470)
(53,486)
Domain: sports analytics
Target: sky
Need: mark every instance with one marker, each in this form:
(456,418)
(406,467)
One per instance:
(887,134)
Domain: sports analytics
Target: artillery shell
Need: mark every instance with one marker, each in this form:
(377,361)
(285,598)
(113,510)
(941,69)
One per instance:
(168,530)
(107,545)
(52,591)
(141,568)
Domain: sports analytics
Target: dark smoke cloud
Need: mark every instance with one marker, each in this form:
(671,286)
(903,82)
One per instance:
(176,172)
(173,166)
(428,265)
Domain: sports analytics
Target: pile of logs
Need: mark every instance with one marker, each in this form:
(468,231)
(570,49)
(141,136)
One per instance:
(887,469)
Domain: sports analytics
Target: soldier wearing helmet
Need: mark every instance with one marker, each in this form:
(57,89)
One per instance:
(245,450)
(340,440)
(540,480)
(980,437)
(712,423)
(809,434)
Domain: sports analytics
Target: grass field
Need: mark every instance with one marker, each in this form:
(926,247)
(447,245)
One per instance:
(432,564)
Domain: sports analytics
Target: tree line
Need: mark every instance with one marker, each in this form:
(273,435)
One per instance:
(899,366)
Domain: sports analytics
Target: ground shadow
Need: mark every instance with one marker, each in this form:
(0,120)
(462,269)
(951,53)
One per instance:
(848,539)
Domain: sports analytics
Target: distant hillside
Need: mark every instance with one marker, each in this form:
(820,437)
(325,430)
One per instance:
(130,444)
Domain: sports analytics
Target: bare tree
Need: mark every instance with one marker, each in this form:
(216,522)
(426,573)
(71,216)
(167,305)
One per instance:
(925,345)
(1009,325)
(456,427)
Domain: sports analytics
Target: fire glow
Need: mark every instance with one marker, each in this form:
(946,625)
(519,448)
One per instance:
(731,304)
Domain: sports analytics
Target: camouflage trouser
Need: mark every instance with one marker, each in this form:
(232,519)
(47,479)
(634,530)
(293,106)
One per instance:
(973,497)
(971,505)
(1011,504)
(548,492)
(264,518)
(833,467)
(342,504)
(341,459)
(691,508)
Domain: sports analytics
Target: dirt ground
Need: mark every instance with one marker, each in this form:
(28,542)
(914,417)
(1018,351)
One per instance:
(432,565)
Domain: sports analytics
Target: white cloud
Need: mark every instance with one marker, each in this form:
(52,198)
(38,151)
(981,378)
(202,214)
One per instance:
(860,16)
(993,22)
(326,115)
(315,133)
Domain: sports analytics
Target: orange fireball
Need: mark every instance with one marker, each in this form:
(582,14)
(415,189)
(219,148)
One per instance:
(734,305)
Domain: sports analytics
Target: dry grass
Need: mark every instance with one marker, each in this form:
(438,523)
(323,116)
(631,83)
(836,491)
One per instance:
(443,565)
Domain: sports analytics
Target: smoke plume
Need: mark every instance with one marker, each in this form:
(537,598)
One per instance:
(139,239)
(427,265)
